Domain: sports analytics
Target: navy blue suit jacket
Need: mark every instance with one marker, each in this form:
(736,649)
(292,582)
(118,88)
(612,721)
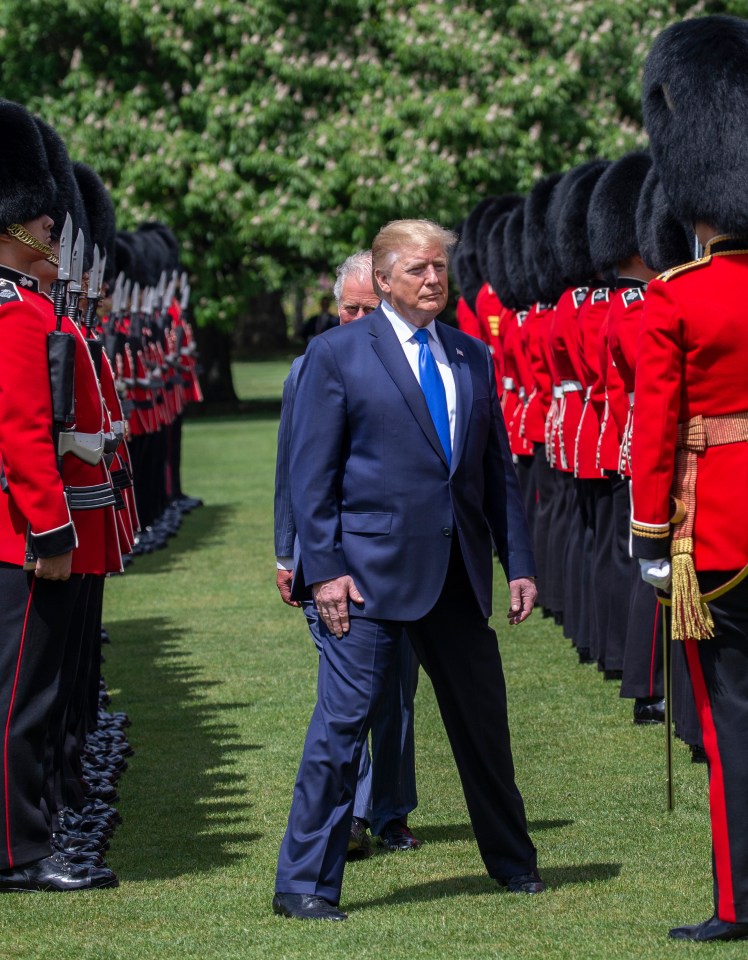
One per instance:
(372,494)
(284,526)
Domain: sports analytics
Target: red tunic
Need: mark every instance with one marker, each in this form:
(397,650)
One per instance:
(36,499)
(517,378)
(467,320)
(534,338)
(564,342)
(624,321)
(693,361)
(592,314)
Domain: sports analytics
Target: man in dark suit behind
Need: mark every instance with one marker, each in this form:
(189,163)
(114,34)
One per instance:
(401,470)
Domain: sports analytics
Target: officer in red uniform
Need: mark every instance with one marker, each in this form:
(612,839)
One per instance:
(664,243)
(611,226)
(690,439)
(46,544)
(540,265)
(567,224)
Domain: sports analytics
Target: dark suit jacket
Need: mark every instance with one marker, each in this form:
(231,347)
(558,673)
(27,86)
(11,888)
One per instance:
(284,526)
(372,494)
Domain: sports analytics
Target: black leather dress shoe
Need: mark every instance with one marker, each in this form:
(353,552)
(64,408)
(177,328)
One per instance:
(397,836)
(306,906)
(698,754)
(57,874)
(711,929)
(649,710)
(359,844)
(524,883)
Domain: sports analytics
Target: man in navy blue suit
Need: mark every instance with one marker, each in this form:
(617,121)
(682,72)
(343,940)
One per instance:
(386,787)
(402,484)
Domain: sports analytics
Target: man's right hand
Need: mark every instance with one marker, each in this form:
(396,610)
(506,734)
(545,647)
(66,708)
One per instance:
(283,580)
(331,599)
(54,568)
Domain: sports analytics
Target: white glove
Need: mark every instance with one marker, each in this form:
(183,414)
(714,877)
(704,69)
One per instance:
(656,572)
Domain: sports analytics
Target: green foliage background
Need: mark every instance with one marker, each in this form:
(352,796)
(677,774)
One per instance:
(276,136)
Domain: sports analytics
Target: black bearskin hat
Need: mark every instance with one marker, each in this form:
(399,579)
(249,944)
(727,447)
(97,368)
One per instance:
(500,205)
(520,283)
(611,218)
(466,274)
(126,255)
(67,197)
(567,221)
(496,265)
(168,242)
(471,279)
(100,213)
(663,240)
(695,106)
(539,260)
(27,189)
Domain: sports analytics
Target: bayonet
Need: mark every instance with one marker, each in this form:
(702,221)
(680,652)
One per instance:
(75,285)
(76,266)
(126,295)
(60,285)
(66,249)
(94,276)
(92,295)
(169,295)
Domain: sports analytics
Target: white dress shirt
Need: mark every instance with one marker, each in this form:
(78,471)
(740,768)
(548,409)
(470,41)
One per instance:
(405,333)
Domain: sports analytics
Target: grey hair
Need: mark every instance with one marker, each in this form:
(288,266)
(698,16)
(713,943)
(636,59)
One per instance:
(358,265)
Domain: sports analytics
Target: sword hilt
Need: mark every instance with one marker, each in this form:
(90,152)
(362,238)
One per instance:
(73,305)
(59,299)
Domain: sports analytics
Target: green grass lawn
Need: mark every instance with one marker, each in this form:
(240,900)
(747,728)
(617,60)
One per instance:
(260,381)
(219,679)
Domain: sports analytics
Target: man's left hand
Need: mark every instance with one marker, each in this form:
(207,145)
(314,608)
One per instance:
(522,594)
(283,580)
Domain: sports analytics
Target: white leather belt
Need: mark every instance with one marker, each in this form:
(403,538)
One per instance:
(558,392)
(571,386)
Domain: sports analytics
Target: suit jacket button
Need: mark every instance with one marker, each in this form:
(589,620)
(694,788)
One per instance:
(447,531)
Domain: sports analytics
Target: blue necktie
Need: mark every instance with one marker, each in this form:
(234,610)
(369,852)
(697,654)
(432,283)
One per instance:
(433,389)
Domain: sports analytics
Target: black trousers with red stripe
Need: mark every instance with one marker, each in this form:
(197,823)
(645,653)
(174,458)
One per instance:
(719,674)
(34,621)
(642,661)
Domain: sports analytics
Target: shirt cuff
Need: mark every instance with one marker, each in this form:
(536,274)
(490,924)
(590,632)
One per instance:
(284,563)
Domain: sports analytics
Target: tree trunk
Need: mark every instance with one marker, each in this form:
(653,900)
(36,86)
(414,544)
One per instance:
(262,331)
(215,359)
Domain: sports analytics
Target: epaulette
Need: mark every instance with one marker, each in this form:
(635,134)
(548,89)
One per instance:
(580,295)
(632,295)
(601,295)
(684,268)
(9,293)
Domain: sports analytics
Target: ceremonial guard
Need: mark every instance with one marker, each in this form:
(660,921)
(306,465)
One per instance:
(56,521)
(566,221)
(611,227)
(690,435)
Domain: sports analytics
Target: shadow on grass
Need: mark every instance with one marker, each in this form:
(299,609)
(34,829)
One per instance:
(199,529)
(483,885)
(451,832)
(183,801)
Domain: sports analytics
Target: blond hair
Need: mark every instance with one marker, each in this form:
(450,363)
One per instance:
(400,234)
